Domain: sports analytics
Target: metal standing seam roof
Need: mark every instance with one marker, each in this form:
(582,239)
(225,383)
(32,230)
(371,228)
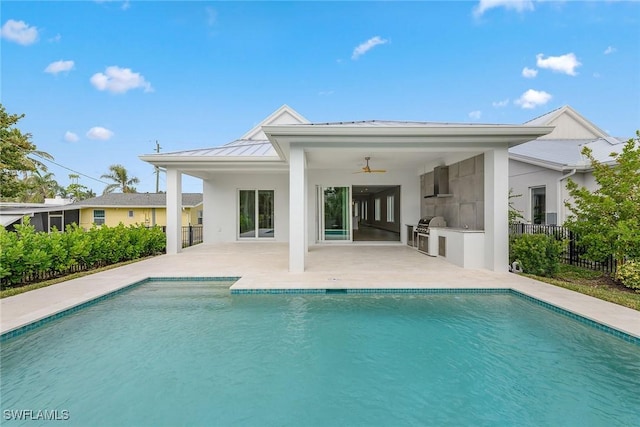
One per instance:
(138,200)
(237,148)
(398,123)
(567,152)
(263,148)
(543,119)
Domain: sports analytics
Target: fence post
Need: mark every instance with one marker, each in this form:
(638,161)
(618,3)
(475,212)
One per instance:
(190,235)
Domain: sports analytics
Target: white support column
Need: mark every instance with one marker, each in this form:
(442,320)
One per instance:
(297,210)
(496,202)
(174,211)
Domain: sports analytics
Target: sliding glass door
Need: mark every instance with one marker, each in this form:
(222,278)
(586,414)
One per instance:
(255,214)
(334,213)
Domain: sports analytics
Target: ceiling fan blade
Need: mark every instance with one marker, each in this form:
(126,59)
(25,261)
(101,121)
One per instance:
(367,169)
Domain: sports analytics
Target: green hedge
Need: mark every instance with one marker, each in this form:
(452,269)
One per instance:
(537,254)
(28,256)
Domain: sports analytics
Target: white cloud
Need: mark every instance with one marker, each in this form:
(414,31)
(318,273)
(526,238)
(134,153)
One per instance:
(212,16)
(518,5)
(126,4)
(325,92)
(475,115)
(533,98)
(71,137)
(566,64)
(59,66)
(499,104)
(529,72)
(119,80)
(99,132)
(55,39)
(19,32)
(363,48)
(609,50)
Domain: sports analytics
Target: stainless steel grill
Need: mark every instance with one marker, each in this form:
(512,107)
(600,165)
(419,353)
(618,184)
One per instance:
(429,221)
(421,235)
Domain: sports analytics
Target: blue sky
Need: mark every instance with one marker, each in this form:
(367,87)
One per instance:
(101,81)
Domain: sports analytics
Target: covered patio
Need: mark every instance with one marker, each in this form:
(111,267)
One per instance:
(293,162)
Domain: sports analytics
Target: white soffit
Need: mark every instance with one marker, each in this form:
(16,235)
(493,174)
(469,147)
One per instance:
(401,135)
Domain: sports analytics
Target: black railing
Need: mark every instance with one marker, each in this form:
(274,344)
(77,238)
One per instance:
(191,235)
(573,253)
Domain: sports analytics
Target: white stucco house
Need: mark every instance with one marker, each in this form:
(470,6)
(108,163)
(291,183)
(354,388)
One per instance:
(538,169)
(290,180)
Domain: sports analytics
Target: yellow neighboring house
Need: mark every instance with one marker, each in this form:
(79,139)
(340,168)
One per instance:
(137,208)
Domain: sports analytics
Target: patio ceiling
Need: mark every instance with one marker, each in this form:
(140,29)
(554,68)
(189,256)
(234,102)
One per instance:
(353,159)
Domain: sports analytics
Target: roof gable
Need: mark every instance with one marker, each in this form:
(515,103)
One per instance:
(569,124)
(284,115)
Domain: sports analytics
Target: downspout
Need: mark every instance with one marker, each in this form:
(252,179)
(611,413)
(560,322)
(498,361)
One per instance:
(560,205)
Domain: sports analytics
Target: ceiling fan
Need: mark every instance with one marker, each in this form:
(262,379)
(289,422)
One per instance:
(367,169)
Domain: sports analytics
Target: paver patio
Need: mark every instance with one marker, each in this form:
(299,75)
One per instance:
(265,266)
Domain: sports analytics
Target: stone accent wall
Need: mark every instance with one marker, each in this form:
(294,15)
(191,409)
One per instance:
(465,208)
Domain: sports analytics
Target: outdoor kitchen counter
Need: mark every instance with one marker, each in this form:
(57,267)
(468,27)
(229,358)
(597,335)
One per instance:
(460,246)
(458,230)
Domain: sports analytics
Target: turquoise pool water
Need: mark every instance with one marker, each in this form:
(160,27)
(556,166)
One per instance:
(190,353)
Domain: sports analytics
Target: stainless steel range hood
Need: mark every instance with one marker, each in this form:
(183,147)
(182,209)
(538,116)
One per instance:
(440,182)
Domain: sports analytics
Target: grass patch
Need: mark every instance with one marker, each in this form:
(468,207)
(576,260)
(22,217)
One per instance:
(593,283)
(26,288)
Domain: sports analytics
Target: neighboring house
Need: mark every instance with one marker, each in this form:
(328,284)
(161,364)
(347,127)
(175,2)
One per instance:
(289,180)
(45,216)
(538,169)
(137,208)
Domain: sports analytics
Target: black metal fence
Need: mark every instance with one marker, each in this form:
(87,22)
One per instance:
(573,253)
(191,235)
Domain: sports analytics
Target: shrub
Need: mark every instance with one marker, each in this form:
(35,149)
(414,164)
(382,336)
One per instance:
(629,274)
(537,254)
(27,255)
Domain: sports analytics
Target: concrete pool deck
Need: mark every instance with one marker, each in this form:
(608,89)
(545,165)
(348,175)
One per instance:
(265,266)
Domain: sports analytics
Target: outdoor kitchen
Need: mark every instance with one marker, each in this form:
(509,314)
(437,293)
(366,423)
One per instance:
(452,213)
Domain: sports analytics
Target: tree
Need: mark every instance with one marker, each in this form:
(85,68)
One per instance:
(15,161)
(77,191)
(121,181)
(607,221)
(39,187)
(515,216)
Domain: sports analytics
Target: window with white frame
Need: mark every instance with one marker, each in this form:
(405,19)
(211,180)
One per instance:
(130,214)
(56,221)
(391,208)
(256,214)
(98,216)
(377,214)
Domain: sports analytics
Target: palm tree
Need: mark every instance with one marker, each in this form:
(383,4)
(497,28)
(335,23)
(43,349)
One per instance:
(121,181)
(39,187)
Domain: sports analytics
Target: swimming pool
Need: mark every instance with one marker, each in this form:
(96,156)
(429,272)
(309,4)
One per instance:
(169,353)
